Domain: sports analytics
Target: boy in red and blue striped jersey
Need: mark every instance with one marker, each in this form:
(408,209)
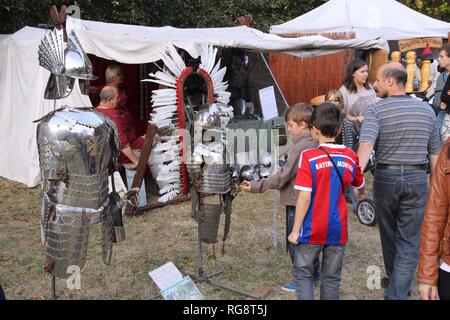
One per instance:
(321,212)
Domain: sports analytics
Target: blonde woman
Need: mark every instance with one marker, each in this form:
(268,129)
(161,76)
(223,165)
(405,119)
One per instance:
(348,133)
(114,79)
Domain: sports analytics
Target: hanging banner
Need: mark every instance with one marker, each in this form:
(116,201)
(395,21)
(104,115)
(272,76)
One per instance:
(412,44)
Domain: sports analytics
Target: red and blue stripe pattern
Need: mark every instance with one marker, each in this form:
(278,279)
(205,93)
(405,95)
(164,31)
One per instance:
(326,219)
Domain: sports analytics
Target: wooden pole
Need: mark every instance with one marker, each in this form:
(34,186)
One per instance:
(142,164)
(424,75)
(410,60)
(395,56)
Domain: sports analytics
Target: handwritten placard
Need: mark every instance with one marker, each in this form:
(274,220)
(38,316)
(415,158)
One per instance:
(417,43)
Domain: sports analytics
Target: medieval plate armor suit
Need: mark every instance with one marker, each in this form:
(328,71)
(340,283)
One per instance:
(78,151)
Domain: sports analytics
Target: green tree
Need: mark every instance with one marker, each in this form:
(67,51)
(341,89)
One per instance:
(182,13)
(439,9)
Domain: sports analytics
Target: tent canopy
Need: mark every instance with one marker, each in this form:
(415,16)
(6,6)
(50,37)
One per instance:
(23,81)
(140,44)
(22,86)
(368,19)
(3,37)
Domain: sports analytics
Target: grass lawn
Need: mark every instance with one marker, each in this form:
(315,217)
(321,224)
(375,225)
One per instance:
(167,234)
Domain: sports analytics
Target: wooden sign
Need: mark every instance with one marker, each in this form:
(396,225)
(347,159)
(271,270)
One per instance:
(412,44)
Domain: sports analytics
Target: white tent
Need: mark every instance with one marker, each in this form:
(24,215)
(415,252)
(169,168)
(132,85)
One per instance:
(139,44)
(368,19)
(22,86)
(3,37)
(23,81)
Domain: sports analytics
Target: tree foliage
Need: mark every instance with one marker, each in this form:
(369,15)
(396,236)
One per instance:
(181,13)
(439,9)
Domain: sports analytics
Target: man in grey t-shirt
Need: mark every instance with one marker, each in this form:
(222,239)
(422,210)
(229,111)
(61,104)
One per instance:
(407,137)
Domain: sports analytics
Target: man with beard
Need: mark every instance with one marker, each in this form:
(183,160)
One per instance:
(408,142)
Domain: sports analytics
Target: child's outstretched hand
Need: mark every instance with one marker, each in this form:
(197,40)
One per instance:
(245,186)
(361,193)
(293,237)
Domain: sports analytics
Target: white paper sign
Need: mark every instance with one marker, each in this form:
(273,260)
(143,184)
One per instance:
(268,103)
(166,276)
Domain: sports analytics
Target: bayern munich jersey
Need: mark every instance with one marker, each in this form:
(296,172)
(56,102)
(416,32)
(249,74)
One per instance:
(326,219)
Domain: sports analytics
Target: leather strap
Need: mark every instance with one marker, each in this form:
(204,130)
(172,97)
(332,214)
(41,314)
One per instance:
(336,168)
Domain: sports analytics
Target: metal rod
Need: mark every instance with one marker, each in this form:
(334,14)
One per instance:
(275,156)
(225,286)
(275,225)
(201,277)
(54,296)
(199,249)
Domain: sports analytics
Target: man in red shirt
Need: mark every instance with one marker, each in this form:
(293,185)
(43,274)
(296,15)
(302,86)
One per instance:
(108,106)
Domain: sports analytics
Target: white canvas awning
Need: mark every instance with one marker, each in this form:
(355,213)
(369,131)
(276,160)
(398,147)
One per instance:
(140,44)
(369,19)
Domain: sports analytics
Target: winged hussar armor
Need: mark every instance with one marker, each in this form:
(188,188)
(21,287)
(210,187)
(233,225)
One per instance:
(174,167)
(78,151)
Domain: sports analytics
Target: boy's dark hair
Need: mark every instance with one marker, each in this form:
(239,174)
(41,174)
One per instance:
(299,112)
(327,118)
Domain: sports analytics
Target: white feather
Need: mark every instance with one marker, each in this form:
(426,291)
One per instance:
(212,59)
(164,76)
(160,82)
(176,58)
(161,109)
(158,118)
(218,77)
(165,92)
(169,188)
(221,87)
(216,67)
(203,56)
(162,102)
(166,99)
(168,62)
(169,196)
(223,94)
(167,170)
(223,100)
(166,123)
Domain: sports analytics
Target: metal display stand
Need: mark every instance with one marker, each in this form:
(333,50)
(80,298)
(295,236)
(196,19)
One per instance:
(206,278)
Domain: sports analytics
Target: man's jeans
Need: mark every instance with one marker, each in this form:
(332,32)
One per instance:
(400,197)
(290,217)
(330,273)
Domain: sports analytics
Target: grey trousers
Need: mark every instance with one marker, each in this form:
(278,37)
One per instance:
(306,256)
